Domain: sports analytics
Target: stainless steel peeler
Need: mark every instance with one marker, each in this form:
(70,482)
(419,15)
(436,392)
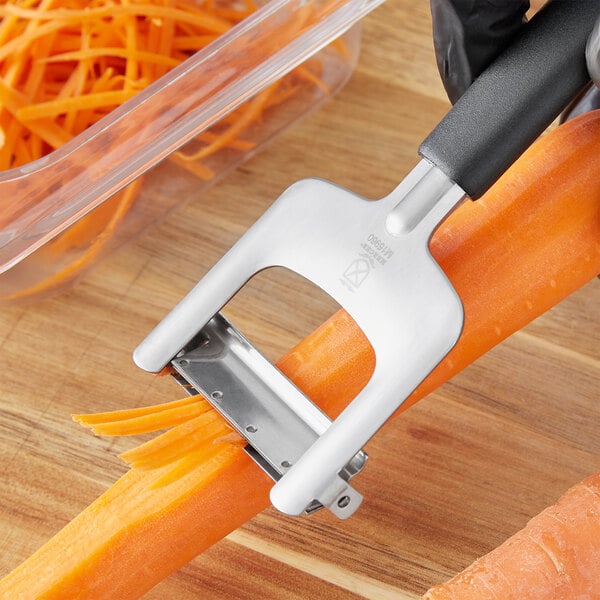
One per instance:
(373,258)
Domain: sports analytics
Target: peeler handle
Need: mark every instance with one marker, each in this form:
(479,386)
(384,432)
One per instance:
(516,98)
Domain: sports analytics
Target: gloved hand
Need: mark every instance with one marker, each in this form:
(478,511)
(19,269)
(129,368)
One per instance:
(469,34)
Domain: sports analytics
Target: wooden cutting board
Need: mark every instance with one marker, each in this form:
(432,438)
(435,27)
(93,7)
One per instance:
(446,482)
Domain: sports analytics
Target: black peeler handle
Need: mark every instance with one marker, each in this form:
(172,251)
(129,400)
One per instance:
(516,98)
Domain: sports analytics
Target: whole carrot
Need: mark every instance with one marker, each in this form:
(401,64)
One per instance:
(555,556)
(528,243)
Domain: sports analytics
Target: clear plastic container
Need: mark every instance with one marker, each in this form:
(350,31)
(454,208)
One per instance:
(61,213)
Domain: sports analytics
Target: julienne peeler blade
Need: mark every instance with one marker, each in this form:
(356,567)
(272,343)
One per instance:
(373,258)
(224,367)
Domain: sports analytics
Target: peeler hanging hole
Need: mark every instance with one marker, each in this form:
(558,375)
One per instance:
(343,501)
(251,429)
(217,395)
(286,464)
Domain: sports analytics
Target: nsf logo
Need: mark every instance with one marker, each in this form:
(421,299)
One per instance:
(356,273)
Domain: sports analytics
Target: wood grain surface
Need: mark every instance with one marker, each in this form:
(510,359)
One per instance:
(446,482)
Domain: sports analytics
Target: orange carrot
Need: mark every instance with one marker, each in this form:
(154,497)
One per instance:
(65,48)
(148,423)
(177,441)
(161,514)
(197,17)
(61,107)
(141,531)
(132,413)
(556,555)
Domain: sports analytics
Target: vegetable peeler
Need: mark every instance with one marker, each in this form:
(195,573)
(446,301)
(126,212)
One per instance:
(372,257)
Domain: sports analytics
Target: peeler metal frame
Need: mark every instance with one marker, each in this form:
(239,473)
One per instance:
(372,257)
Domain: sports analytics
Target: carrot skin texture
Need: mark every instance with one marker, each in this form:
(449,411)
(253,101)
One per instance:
(548,203)
(492,252)
(528,243)
(555,556)
(101,558)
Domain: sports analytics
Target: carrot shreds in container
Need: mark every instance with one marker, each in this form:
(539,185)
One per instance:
(65,64)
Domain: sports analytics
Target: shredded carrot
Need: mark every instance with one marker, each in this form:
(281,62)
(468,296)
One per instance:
(139,55)
(84,102)
(70,16)
(307,74)
(13,101)
(177,441)
(151,422)
(65,64)
(195,167)
(132,413)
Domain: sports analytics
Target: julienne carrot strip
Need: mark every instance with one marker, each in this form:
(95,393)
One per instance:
(191,42)
(208,137)
(23,42)
(80,77)
(145,419)
(165,41)
(307,74)
(233,15)
(173,444)
(247,114)
(131,45)
(35,76)
(193,444)
(195,167)
(539,242)
(53,108)
(208,430)
(250,112)
(132,413)
(139,55)
(163,419)
(47,130)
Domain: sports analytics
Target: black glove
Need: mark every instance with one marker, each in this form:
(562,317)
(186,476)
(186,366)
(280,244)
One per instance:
(469,34)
